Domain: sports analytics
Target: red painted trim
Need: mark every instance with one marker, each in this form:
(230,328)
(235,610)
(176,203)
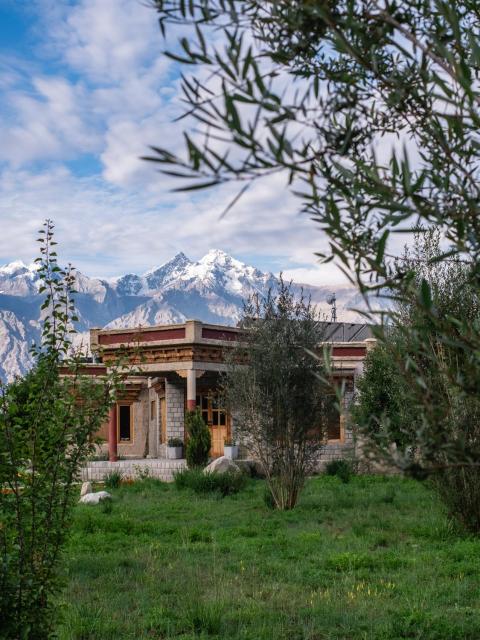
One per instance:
(112,434)
(141,336)
(349,351)
(191,405)
(219,334)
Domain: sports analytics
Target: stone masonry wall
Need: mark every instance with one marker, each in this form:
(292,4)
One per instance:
(175,409)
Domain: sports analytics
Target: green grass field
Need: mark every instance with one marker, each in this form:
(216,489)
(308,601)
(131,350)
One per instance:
(375,558)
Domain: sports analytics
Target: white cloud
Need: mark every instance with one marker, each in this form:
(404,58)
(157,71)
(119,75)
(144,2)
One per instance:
(108,40)
(47,122)
(110,93)
(105,230)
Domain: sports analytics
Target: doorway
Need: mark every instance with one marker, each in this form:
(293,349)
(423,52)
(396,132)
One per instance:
(217,420)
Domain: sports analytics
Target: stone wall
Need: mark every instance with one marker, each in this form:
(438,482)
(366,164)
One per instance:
(333,450)
(175,407)
(159,468)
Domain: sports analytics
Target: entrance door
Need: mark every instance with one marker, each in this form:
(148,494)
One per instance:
(217,420)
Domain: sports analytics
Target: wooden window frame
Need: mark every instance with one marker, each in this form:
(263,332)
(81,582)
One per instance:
(340,440)
(132,424)
(341,419)
(210,409)
(162,426)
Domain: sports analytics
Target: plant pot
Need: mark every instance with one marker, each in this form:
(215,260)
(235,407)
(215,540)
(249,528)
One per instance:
(230,451)
(174,453)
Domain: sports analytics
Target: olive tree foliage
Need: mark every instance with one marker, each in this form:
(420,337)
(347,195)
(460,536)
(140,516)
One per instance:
(370,110)
(412,391)
(47,423)
(276,391)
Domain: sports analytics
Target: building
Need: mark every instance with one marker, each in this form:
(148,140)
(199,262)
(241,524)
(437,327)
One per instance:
(177,368)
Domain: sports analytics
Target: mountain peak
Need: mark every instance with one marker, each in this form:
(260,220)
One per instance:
(179,260)
(14,267)
(219,257)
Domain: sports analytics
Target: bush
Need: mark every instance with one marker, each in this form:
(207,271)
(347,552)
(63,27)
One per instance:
(112,480)
(224,483)
(340,468)
(48,421)
(199,440)
(459,488)
(175,442)
(268,499)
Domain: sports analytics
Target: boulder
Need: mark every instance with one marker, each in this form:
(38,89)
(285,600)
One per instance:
(221,465)
(95,498)
(251,467)
(86,488)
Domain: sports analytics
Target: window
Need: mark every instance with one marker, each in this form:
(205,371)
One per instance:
(211,412)
(202,404)
(125,423)
(152,410)
(333,421)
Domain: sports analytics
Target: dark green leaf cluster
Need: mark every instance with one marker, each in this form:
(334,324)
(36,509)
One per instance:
(340,468)
(225,484)
(199,441)
(384,408)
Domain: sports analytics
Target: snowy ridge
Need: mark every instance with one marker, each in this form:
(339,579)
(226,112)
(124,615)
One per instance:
(211,289)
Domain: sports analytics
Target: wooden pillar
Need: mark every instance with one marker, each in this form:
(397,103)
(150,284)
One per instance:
(191,389)
(112,434)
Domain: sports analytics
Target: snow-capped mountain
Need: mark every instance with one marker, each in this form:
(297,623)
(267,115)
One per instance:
(212,289)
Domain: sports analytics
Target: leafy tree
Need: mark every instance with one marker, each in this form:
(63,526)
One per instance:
(314,90)
(401,373)
(199,440)
(383,408)
(274,389)
(47,423)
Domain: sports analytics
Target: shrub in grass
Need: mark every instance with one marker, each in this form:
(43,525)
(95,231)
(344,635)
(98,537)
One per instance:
(224,483)
(268,499)
(113,479)
(340,468)
(199,440)
(48,420)
(390,494)
(106,506)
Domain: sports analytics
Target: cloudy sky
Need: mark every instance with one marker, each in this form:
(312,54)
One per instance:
(84,89)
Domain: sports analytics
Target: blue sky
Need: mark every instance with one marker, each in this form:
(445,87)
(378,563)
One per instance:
(84,89)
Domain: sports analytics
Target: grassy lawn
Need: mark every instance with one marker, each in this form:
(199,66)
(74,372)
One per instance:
(372,559)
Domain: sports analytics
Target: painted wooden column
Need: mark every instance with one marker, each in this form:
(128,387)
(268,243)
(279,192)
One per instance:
(191,389)
(112,434)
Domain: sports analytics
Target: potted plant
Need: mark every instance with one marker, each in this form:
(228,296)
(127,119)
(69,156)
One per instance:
(175,449)
(230,449)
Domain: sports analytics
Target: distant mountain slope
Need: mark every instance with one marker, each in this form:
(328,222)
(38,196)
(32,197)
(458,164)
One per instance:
(212,289)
